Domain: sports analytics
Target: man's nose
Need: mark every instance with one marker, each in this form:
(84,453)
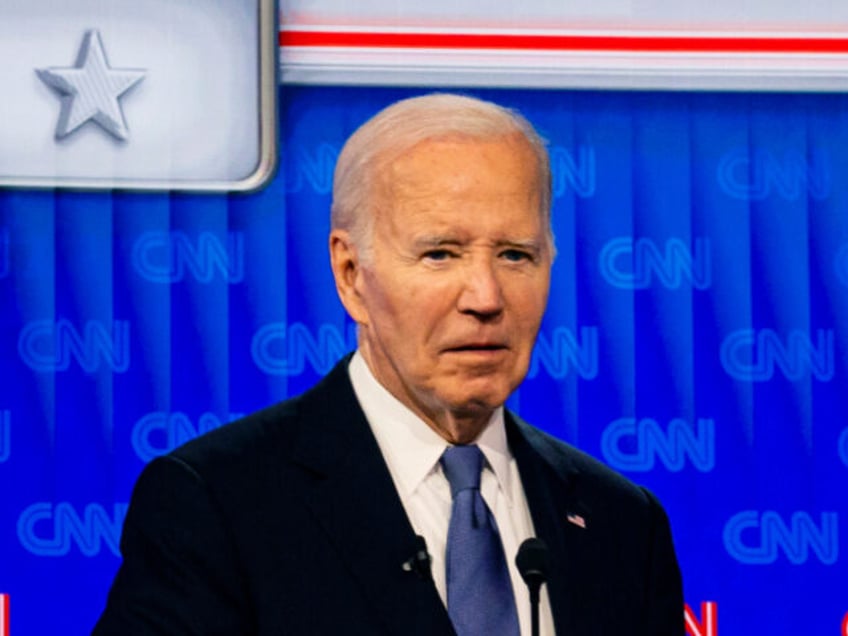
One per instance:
(482,293)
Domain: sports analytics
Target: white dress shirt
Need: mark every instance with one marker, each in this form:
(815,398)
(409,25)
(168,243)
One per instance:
(412,450)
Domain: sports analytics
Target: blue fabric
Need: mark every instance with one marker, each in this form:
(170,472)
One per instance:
(696,338)
(480,597)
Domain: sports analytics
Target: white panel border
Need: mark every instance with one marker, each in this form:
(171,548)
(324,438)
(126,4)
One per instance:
(644,60)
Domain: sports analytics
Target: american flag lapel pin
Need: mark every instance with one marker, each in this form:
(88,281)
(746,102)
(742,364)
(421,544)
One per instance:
(576,519)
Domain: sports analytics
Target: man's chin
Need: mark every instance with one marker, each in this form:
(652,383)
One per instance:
(460,417)
(476,404)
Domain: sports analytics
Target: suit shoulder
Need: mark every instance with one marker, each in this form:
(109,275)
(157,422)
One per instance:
(270,434)
(572,463)
(243,440)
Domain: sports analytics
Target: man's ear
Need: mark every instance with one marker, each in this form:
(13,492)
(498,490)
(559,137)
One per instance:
(347,271)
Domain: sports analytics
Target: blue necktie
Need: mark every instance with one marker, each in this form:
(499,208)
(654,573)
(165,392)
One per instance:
(480,598)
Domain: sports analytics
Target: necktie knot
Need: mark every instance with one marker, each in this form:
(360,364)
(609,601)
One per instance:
(462,466)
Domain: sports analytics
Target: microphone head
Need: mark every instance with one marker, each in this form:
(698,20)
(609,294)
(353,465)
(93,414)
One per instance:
(420,561)
(533,562)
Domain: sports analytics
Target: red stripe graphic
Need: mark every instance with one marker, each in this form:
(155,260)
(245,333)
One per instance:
(584,43)
(4,615)
(707,626)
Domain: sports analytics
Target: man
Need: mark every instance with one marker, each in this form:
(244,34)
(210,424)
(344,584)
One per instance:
(306,518)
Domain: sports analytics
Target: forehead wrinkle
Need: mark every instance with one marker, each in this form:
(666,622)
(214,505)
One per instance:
(396,170)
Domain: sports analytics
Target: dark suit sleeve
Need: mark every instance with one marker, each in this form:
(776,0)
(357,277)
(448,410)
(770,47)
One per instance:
(665,586)
(179,574)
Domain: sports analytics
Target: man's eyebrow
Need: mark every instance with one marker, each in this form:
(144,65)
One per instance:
(437,241)
(525,244)
(441,240)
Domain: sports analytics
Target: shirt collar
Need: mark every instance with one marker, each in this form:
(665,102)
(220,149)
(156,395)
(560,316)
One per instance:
(410,447)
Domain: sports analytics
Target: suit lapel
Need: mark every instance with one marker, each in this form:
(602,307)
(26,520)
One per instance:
(347,486)
(349,489)
(549,483)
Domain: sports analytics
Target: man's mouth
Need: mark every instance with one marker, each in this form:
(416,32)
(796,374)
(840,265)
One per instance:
(477,347)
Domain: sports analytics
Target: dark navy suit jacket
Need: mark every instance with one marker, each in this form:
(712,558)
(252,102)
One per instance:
(288,522)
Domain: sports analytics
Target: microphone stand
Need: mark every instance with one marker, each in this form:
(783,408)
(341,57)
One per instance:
(533,565)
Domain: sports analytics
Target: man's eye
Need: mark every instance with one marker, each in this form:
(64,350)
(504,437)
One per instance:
(516,256)
(437,255)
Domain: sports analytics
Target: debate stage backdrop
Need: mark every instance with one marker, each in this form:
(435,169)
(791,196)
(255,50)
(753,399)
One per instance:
(696,338)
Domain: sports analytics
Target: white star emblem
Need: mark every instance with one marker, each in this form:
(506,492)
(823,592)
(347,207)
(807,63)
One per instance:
(90,90)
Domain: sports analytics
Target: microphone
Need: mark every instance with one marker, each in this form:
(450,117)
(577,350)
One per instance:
(420,561)
(533,565)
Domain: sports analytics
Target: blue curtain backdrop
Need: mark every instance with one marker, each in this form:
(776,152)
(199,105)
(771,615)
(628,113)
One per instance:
(696,338)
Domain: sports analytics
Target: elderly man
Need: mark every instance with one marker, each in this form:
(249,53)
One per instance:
(312,516)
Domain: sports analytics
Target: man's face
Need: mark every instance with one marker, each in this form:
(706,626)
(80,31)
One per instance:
(451,299)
